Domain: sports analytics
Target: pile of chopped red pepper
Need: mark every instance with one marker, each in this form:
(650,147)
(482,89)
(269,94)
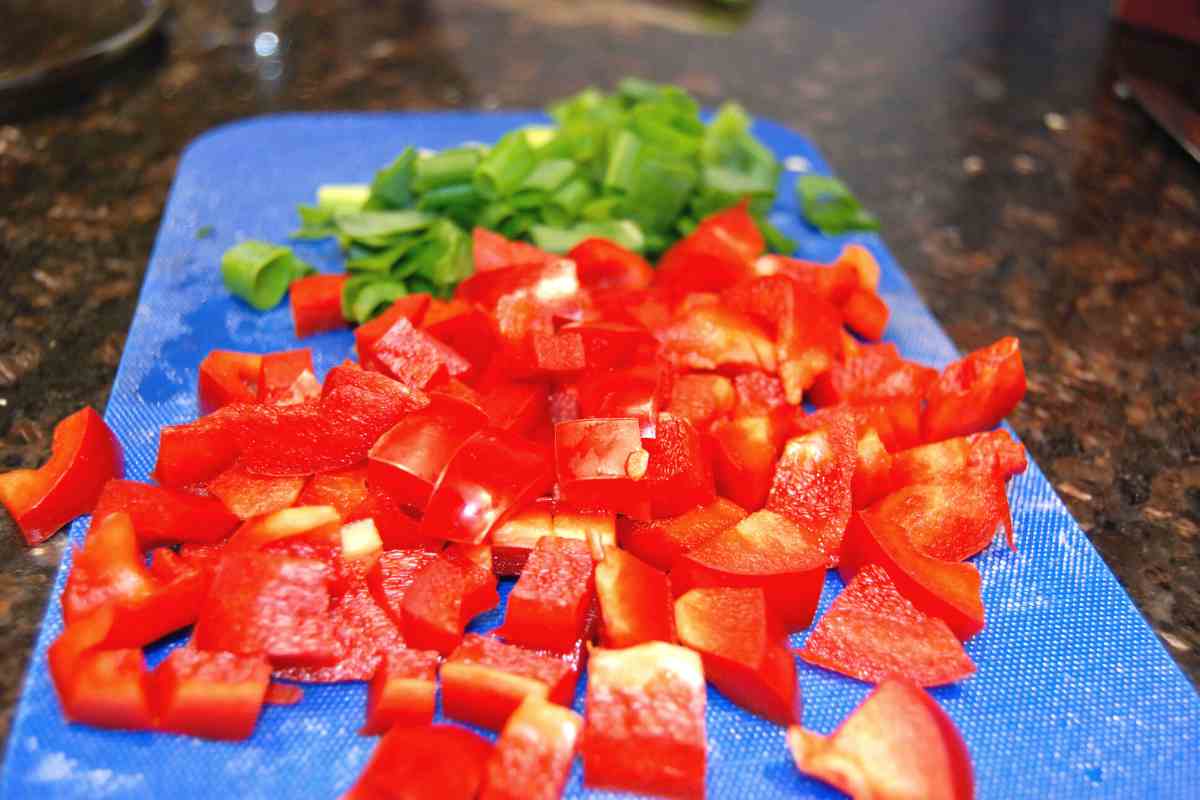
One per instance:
(631,445)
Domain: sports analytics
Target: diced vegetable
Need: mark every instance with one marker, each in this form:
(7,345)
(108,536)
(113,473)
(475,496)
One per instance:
(260,273)
(532,758)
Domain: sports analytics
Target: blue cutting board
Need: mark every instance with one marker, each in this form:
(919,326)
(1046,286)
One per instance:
(1074,697)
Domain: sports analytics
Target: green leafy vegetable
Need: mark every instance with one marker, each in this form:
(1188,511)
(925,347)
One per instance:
(559,240)
(343,196)
(260,272)
(830,206)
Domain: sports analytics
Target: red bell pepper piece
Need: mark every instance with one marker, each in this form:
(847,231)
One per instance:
(317,304)
(998,453)
(402,691)
(442,761)
(532,758)
(84,456)
(548,606)
(287,523)
(645,721)
(173,603)
(484,680)
(283,694)
(344,489)
(414,357)
(764,550)
(396,525)
(597,528)
(866,314)
(600,463)
(411,307)
(193,453)
(898,744)
(287,377)
(602,264)
(467,330)
(833,282)
(443,597)
(479,582)
(547,281)
(492,251)
(872,470)
(720,253)
(636,392)
(758,394)
(106,688)
(661,542)
(494,473)
(651,309)
(976,392)
(272,604)
(871,632)
(634,600)
(943,589)
(678,476)
(165,516)
(745,450)
(406,462)
(743,647)
(247,495)
(209,694)
(951,519)
(226,377)
(702,399)
(711,337)
(864,264)
(516,407)
(877,374)
(613,345)
(108,568)
(992,452)
(812,484)
(392,575)
(514,540)
(897,421)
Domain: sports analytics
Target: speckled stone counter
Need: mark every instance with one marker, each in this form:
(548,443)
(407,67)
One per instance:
(1019,193)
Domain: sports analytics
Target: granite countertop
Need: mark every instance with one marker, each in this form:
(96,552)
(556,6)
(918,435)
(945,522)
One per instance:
(1019,193)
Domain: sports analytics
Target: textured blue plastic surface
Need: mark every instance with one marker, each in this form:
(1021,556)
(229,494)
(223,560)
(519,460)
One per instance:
(1074,697)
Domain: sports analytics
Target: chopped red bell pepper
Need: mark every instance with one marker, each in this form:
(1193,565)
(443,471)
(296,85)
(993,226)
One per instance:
(897,421)
(645,308)
(950,519)
(516,407)
(479,582)
(344,489)
(602,264)
(547,608)
(514,540)
(287,377)
(744,452)
(877,374)
(812,483)
(108,568)
(758,394)
(702,399)
(392,575)
(597,528)
(407,461)
(634,600)
(226,377)
(678,475)
(396,525)
(442,761)
(494,473)
(712,337)
(485,679)
(943,589)
(558,355)
(613,345)
(286,523)
(864,264)
(992,452)
(720,253)
(193,453)
(209,694)
(492,251)
(661,542)
(110,689)
(743,647)
(871,632)
(84,456)
(976,392)
(433,611)
(764,550)
(866,314)
(411,307)
(997,452)
(414,357)
(532,758)
(898,744)
(317,304)
(547,281)
(272,604)
(636,392)
(283,694)
(173,603)
(872,470)
(467,330)
(600,464)
(247,495)
(165,516)
(645,721)
(402,692)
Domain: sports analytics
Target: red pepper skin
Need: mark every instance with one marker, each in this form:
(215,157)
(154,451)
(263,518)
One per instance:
(548,606)
(173,604)
(283,694)
(872,470)
(288,523)
(992,452)
(397,527)
(193,453)
(976,392)
(405,462)
(493,251)
(532,758)
(108,568)
(516,407)
(599,465)
(432,608)
(678,476)
(702,399)
(645,721)
(165,516)
(411,307)
(479,583)
(414,357)
(247,495)
(650,309)
(998,453)
(943,589)
(425,761)
(317,304)
(718,254)
(344,489)
(871,632)
(484,680)
(467,330)
(764,550)
(84,456)
(602,264)
(226,377)
(634,600)
(866,314)
(812,483)
(745,450)
(897,745)
(287,377)
(951,519)
(877,374)
(708,336)
(636,392)
(514,540)
(494,473)
(272,604)
(402,691)
(209,694)
(547,280)
(897,421)
(393,574)
(743,647)
(833,282)
(613,345)
(661,542)
(109,689)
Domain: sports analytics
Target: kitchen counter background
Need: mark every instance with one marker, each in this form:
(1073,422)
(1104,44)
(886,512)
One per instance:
(1018,192)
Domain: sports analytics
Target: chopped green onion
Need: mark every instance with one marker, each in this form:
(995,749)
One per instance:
(560,240)
(445,168)
(374,298)
(494,214)
(777,241)
(260,272)
(392,186)
(548,176)
(343,196)
(622,158)
(600,208)
(315,223)
(564,205)
(659,190)
(380,261)
(375,225)
(828,205)
(505,166)
(539,135)
(453,195)
(444,257)
(518,225)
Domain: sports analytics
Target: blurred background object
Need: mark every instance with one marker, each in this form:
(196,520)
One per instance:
(1179,18)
